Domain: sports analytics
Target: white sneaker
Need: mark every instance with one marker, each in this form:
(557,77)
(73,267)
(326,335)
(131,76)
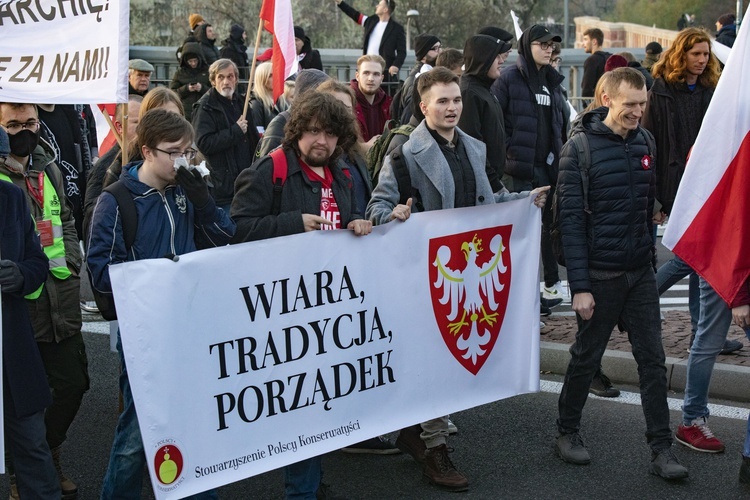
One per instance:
(555,291)
(541,325)
(452,429)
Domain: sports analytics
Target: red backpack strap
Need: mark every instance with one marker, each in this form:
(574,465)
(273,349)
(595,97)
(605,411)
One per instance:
(280,170)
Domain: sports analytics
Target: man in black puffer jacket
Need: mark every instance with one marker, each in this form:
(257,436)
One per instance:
(609,250)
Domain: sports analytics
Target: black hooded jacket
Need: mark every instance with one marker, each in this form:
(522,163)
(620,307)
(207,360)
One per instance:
(210,52)
(234,49)
(185,75)
(617,233)
(311,57)
(482,116)
(516,90)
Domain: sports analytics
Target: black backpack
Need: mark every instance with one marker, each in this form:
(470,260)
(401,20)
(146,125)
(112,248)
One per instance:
(129,217)
(581,141)
(376,154)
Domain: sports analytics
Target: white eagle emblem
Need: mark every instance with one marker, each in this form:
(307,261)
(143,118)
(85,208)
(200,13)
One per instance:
(472,292)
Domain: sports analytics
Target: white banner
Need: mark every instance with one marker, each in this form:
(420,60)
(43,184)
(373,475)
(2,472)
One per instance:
(64,52)
(249,357)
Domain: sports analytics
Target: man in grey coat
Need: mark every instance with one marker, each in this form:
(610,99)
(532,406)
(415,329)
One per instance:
(446,169)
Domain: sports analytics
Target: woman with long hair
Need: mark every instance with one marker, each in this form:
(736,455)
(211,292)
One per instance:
(262,106)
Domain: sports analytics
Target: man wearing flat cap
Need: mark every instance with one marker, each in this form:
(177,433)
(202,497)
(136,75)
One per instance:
(139,76)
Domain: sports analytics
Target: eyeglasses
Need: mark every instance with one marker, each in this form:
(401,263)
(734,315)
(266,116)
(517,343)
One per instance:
(544,45)
(436,47)
(15,127)
(173,155)
(556,60)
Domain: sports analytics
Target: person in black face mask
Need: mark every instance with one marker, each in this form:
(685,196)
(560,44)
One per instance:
(54,307)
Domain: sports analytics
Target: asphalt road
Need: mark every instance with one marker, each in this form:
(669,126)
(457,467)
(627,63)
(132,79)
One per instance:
(504,448)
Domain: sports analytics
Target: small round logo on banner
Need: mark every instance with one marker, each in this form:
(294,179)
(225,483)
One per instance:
(168,462)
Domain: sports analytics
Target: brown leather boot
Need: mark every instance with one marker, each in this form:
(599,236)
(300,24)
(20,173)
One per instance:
(440,471)
(409,441)
(68,487)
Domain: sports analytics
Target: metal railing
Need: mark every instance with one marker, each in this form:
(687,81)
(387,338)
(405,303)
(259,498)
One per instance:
(342,64)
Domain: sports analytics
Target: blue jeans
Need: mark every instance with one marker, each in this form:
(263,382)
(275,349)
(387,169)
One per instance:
(672,272)
(32,460)
(301,480)
(631,299)
(124,477)
(713,326)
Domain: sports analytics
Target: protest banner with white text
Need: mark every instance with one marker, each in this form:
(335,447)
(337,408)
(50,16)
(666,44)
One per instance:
(64,52)
(249,357)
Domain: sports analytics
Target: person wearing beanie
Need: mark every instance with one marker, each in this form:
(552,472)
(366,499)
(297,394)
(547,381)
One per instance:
(426,49)
(482,116)
(306,56)
(653,53)
(234,49)
(615,61)
(195,20)
(726,29)
(307,80)
(383,36)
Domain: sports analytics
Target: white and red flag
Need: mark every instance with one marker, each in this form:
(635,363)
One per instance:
(277,17)
(104,133)
(710,223)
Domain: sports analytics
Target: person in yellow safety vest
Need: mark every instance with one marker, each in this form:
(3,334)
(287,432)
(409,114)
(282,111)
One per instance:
(54,308)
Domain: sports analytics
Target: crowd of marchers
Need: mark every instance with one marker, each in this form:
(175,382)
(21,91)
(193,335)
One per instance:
(462,130)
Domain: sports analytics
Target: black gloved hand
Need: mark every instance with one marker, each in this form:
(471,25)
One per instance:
(11,279)
(194,186)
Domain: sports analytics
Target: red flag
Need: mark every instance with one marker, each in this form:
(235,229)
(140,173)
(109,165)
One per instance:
(103,132)
(277,17)
(710,223)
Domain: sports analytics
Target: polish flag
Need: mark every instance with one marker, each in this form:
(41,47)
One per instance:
(104,134)
(710,223)
(277,17)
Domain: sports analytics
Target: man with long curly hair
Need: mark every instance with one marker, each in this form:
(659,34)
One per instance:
(684,81)
(315,195)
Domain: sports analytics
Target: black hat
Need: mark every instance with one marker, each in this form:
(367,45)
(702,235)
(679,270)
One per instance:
(539,33)
(299,33)
(496,32)
(423,43)
(654,48)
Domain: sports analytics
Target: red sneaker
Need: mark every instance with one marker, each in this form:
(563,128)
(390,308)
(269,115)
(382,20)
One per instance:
(699,437)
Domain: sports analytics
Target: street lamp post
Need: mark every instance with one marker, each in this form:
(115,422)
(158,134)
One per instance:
(411,14)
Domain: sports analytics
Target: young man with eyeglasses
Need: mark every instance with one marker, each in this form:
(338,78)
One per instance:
(530,95)
(55,306)
(176,215)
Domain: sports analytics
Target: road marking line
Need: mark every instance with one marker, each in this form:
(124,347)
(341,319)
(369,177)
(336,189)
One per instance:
(633,398)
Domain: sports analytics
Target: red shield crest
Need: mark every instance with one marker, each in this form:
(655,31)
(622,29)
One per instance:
(469,285)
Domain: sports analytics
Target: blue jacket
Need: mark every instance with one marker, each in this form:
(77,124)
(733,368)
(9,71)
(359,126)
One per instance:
(24,378)
(167,224)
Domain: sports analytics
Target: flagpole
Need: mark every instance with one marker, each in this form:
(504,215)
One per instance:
(252,68)
(105,113)
(124,145)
